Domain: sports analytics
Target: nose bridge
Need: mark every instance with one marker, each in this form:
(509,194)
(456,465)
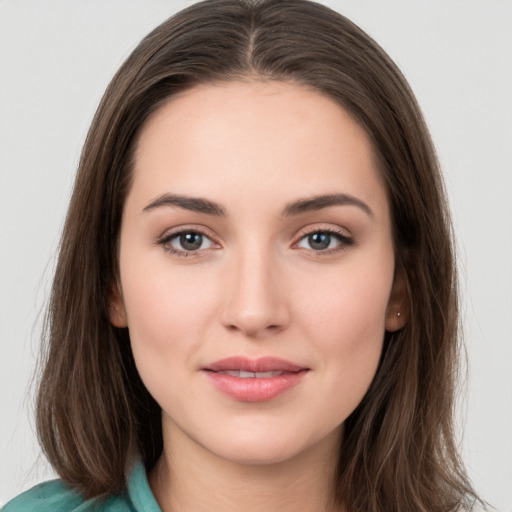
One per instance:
(255,302)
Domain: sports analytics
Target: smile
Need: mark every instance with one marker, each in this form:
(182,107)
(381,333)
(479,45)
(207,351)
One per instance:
(254,380)
(242,374)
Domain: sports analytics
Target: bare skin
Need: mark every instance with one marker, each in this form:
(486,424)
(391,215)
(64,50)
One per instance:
(303,483)
(257,226)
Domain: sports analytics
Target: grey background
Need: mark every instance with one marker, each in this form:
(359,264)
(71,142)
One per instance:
(56,57)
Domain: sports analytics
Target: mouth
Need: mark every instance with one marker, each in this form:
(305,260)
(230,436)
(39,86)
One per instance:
(242,374)
(254,380)
(258,367)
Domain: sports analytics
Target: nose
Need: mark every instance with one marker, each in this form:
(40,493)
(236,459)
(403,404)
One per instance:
(255,296)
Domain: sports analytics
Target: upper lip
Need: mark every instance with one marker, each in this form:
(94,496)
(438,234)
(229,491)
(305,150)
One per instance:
(262,364)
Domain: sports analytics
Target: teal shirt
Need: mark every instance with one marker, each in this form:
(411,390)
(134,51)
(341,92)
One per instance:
(56,496)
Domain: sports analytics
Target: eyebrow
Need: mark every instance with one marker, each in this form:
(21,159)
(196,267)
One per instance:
(195,204)
(325,201)
(202,205)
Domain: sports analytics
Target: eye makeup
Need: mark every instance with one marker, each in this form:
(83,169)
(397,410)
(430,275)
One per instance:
(191,241)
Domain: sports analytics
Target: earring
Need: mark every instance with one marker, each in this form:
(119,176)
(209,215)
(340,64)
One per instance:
(398,314)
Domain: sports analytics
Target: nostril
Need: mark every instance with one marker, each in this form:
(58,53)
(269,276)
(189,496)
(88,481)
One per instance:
(254,331)
(255,305)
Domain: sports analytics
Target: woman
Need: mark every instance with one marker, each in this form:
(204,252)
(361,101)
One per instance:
(255,300)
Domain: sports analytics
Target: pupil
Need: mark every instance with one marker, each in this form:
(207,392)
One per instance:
(319,240)
(191,241)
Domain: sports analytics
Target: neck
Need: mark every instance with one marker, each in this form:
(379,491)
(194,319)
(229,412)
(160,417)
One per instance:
(191,480)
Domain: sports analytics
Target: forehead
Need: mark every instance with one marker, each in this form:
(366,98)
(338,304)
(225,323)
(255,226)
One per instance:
(255,138)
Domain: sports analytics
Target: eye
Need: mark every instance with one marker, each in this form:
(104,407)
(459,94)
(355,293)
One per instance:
(185,243)
(324,240)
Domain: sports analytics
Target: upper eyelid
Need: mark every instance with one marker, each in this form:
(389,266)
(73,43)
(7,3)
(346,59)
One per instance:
(165,240)
(308,231)
(179,230)
(337,230)
(344,240)
(169,234)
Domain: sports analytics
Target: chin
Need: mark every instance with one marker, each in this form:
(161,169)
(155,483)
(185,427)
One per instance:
(269,446)
(258,454)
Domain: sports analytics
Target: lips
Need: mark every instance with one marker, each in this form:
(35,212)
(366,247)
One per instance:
(242,374)
(254,380)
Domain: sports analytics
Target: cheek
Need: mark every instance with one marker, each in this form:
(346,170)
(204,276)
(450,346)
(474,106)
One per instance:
(346,318)
(168,308)
(169,314)
(347,309)
(349,333)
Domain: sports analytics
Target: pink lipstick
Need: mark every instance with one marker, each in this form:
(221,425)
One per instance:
(254,380)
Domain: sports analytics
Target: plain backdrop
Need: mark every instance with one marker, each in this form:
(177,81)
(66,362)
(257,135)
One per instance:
(56,58)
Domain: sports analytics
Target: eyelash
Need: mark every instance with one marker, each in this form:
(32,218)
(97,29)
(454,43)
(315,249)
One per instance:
(344,241)
(167,238)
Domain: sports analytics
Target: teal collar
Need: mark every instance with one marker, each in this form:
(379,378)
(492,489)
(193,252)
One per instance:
(139,491)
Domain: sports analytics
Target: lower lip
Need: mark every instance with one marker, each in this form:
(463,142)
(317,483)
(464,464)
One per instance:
(254,389)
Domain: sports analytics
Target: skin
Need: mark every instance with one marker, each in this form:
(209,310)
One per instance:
(255,287)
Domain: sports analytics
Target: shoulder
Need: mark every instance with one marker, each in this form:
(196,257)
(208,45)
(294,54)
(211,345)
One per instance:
(56,496)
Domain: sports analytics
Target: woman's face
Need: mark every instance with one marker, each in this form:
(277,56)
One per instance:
(256,269)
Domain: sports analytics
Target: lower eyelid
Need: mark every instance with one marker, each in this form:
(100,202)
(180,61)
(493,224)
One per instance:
(166,239)
(343,242)
(204,239)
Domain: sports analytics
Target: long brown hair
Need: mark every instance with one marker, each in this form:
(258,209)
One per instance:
(94,415)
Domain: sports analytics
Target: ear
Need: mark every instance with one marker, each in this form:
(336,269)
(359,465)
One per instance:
(398,311)
(117,311)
